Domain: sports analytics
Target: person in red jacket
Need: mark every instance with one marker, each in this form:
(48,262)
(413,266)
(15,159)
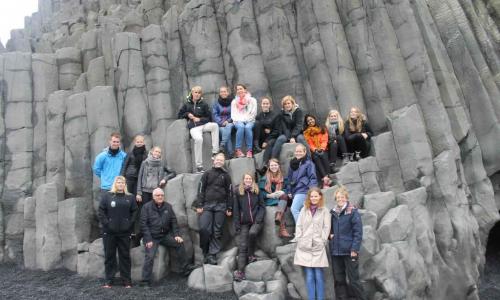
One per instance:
(317,139)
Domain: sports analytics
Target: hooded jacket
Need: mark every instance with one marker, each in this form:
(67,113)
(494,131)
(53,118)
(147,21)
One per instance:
(117,213)
(221,110)
(157,222)
(248,209)
(108,166)
(215,188)
(199,109)
(347,230)
(300,180)
(151,173)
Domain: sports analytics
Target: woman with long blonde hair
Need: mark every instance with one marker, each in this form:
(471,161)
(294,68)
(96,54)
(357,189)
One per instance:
(249,210)
(335,126)
(357,134)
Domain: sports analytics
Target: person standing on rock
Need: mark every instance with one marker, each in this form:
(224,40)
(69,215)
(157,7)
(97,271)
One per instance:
(301,177)
(221,113)
(159,227)
(243,112)
(109,162)
(273,192)
(263,126)
(317,139)
(116,213)
(336,142)
(311,235)
(132,164)
(358,134)
(197,113)
(249,211)
(214,203)
(345,241)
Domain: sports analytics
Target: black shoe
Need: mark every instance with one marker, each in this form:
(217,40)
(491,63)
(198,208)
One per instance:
(211,260)
(256,147)
(200,170)
(262,171)
(188,269)
(332,168)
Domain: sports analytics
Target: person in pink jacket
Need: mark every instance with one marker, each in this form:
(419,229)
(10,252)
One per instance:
(243,112)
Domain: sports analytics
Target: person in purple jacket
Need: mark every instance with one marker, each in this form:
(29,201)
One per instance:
(221,114)
(301,177)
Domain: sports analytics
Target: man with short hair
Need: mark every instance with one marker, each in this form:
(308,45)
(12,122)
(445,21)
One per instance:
(159,227)
(108,163)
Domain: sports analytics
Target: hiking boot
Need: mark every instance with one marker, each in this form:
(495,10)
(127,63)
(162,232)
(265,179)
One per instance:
(239,276)
(238,153)
(249,153)
(256,147)
(188,269)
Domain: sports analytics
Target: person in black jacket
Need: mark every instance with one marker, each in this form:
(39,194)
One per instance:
(116,213)
(263,124)
(159,227)
(288,127)
(357,134)
(249,210)
(213,205)
(132,164)
(198,115)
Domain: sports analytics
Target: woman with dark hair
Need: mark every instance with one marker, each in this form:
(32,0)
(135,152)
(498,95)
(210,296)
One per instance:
(273,191)
(116,213)
(317,139)
(249,211)
(132,164)
(358,134)
(221,113)
(243,112)
(263,125)
(311,235)
(336,142)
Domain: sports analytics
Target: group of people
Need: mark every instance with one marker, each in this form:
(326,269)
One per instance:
(269,129)
(130,181)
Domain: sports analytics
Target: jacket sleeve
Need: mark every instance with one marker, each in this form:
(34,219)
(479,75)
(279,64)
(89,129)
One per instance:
(183,112)
(139,180)
(310,142)
(262,188)
(261,212)
(144,225)
(133,212)
(286,188)
(299,123)
(229,204)
(298,227)
(125,165)
(276,128)
(98,164)
(236,212)
(327,223)
(357,231)
(311,173)
(202,187)
(102,213)
(367,129)
(168,173)
(173,223)
(253,109)
(288,182)
(216,114)
(205,117)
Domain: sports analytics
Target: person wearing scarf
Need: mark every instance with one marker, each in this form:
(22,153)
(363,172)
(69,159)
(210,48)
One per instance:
(248,218)
(132,164)
(301,177)
(358,134)
(336,142)
(317,139)
(221,114)
(273,191)
(311,235)
(243,112)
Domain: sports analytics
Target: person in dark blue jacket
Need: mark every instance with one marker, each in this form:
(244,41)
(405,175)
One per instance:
(221,114)
(345,241)
(301,177)
(116,213)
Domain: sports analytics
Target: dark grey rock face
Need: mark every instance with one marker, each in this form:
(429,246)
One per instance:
(426,73)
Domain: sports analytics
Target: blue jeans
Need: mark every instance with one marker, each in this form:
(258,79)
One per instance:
(315,283)
(226,140)
(244,129)
(297,204)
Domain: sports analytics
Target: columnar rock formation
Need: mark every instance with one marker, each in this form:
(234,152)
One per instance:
(426,72)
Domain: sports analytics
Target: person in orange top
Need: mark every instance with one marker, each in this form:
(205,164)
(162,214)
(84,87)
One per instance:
(317,139)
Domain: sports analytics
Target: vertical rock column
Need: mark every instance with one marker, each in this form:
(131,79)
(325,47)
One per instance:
(69,63)
(19,144)
(131,97)
(45,82)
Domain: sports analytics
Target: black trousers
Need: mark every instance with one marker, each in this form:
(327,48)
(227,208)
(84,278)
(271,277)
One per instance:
(169,242)
(136,240)
(120,243)
(336,147)
(211,223)
(342,266)
(356,142)
(322,164)
(259,135)
(247,240)
(131,185)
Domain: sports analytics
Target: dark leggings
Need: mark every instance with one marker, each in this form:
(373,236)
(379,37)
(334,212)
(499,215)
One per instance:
(321,163)
(347,267)
(334,146)
(356,142)
(246,247)
(121,244)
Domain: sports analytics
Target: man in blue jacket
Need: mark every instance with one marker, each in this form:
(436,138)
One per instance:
(108,163)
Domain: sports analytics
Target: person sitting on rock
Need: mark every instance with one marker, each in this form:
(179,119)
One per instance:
(335,126)
(263,125)
(345,241)
(288,126)
(317,139)
(301,177)
(116,213)
(109,162)
(198,115)
(273,192)
(311,235)
(249,211)
(159,227)
(132,164)
(243,112)
(358,134)
(214,203)
(221,113)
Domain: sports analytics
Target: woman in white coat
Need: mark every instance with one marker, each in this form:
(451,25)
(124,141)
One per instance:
(311,235)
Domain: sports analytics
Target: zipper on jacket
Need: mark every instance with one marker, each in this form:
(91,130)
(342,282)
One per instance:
(250,206)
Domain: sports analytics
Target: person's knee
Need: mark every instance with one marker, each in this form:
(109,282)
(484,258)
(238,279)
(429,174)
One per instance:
(281,139)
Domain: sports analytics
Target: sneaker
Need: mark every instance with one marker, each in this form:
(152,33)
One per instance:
(239,276)
(107,285)
(357,155)
(238,153)
(200,170)
(249,153)
(252,259)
